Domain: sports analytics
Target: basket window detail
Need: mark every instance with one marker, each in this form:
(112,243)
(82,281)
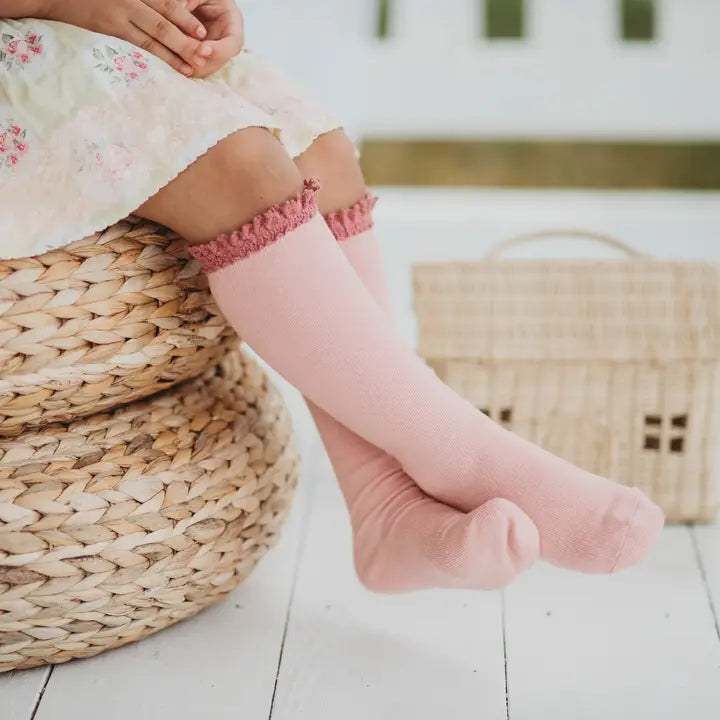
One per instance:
(654,432)
(504,415)
(677,444)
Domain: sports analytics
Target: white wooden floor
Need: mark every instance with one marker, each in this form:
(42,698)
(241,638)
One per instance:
(301,640)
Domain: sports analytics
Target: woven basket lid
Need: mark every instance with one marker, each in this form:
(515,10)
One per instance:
(636,309)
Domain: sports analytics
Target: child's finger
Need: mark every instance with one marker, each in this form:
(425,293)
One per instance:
(193,5)
(204,55)
(208,64)
(225,48)
(177,12)
(165,32)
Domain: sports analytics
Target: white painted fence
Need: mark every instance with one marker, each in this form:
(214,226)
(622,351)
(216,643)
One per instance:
(437,76)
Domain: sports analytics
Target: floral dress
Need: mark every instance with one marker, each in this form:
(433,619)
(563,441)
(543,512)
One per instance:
(91,127)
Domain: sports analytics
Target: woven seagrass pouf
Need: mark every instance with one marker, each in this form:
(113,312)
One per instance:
(105,320)
(119,524)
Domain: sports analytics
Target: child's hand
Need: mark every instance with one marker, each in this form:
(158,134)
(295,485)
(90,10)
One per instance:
(225,33)
(166,28)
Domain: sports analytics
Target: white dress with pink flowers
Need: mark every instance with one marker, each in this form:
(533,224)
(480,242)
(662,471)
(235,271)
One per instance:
(90,127)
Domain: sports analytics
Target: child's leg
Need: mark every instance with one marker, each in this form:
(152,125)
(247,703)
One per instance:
(332,158)
(404,540)
(564,542)
(288,290)
(231,184)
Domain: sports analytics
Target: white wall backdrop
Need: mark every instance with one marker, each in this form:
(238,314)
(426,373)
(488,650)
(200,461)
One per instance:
(437,76)
(324,45)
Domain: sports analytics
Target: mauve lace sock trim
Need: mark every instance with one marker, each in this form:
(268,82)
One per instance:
(263,230)
(354,220)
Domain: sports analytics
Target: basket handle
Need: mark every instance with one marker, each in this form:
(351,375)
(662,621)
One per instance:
(496,251)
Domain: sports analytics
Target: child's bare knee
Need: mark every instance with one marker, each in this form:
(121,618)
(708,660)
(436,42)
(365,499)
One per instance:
(333,159)
(255,163)
(240,177)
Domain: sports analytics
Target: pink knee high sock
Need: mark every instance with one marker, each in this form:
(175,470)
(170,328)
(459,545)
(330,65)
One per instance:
(288,290)
(403,539)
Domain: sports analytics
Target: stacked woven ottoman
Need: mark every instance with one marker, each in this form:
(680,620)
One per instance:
(146,464)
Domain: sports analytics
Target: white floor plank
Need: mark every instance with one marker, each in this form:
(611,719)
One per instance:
(637,646)
(19,692)
(353,655)
(708,541)
(220,664)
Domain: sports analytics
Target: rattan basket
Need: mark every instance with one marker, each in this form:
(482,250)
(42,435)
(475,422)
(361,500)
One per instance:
(120,524)
(613,365)
(105,320)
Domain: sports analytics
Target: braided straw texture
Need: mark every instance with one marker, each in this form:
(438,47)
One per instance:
(106,320)
(120,524)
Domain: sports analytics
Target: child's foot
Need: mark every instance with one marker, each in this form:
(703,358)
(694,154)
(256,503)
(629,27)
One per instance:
(426,544)
(586,522)
(404,540)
